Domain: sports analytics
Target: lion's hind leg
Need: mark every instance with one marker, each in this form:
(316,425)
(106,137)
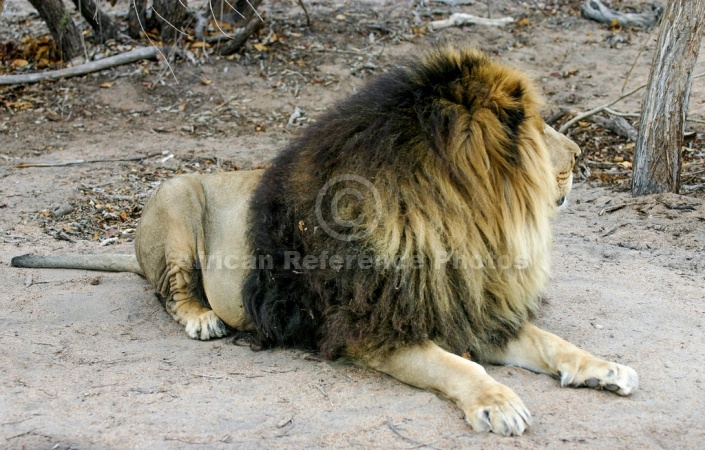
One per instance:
(170,247)
(185,307)
(543,352)
(487,404)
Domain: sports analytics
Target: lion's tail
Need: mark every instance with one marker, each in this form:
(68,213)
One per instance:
(105,263)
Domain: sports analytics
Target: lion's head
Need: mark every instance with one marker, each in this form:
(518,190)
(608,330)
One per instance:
(563,153)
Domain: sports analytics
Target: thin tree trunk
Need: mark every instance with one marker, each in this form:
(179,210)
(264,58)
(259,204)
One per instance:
(657,155)
(241,14)
(170,16)
(137,18)
(103,26)
(65,33)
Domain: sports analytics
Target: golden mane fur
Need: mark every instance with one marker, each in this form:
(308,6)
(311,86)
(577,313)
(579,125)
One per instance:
(459,232)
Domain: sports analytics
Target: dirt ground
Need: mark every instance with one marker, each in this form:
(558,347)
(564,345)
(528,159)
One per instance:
(91,360)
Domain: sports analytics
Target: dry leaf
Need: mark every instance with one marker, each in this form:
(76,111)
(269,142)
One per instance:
(107,84)
(206,81)
(260,47)
(19,63)
(524,22)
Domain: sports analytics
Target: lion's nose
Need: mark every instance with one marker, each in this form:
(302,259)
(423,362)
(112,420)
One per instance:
(560,201)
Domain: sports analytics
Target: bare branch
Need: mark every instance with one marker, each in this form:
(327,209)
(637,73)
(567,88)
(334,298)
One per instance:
(84,69)
(460,19)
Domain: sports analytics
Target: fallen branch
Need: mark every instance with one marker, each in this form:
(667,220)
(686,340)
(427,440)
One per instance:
(595,10)
(460,19)
(85,161)
(617,125)
(240,36)
(135,55)
(606,106)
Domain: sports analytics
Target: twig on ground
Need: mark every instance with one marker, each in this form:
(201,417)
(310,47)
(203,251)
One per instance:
(611,232)
(406,438)
(23,434)
(460,19)
(677,207)
(455,2)
(611,209)
(83,69)
(308,18)
(84,161)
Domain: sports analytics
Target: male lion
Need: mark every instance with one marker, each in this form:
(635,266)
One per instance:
(410,224)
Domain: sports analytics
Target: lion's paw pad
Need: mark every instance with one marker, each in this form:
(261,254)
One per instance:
(206,326)
(609,376)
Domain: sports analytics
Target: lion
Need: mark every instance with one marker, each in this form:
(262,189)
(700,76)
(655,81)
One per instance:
(408,227)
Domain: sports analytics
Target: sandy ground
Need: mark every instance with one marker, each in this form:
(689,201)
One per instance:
(91,360)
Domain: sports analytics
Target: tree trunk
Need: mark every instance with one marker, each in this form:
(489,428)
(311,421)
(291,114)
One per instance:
(137,19)
(170,16)
(657,155)
(61,26)
(241,14)
(103,26)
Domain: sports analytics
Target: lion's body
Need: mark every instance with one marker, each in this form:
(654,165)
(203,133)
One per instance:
(447,253)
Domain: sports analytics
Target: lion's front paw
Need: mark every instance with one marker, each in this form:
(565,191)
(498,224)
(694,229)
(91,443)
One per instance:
(598,374)
(499,410)
(206,326)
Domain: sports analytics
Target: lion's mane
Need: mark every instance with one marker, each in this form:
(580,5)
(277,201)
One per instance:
(455,244)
